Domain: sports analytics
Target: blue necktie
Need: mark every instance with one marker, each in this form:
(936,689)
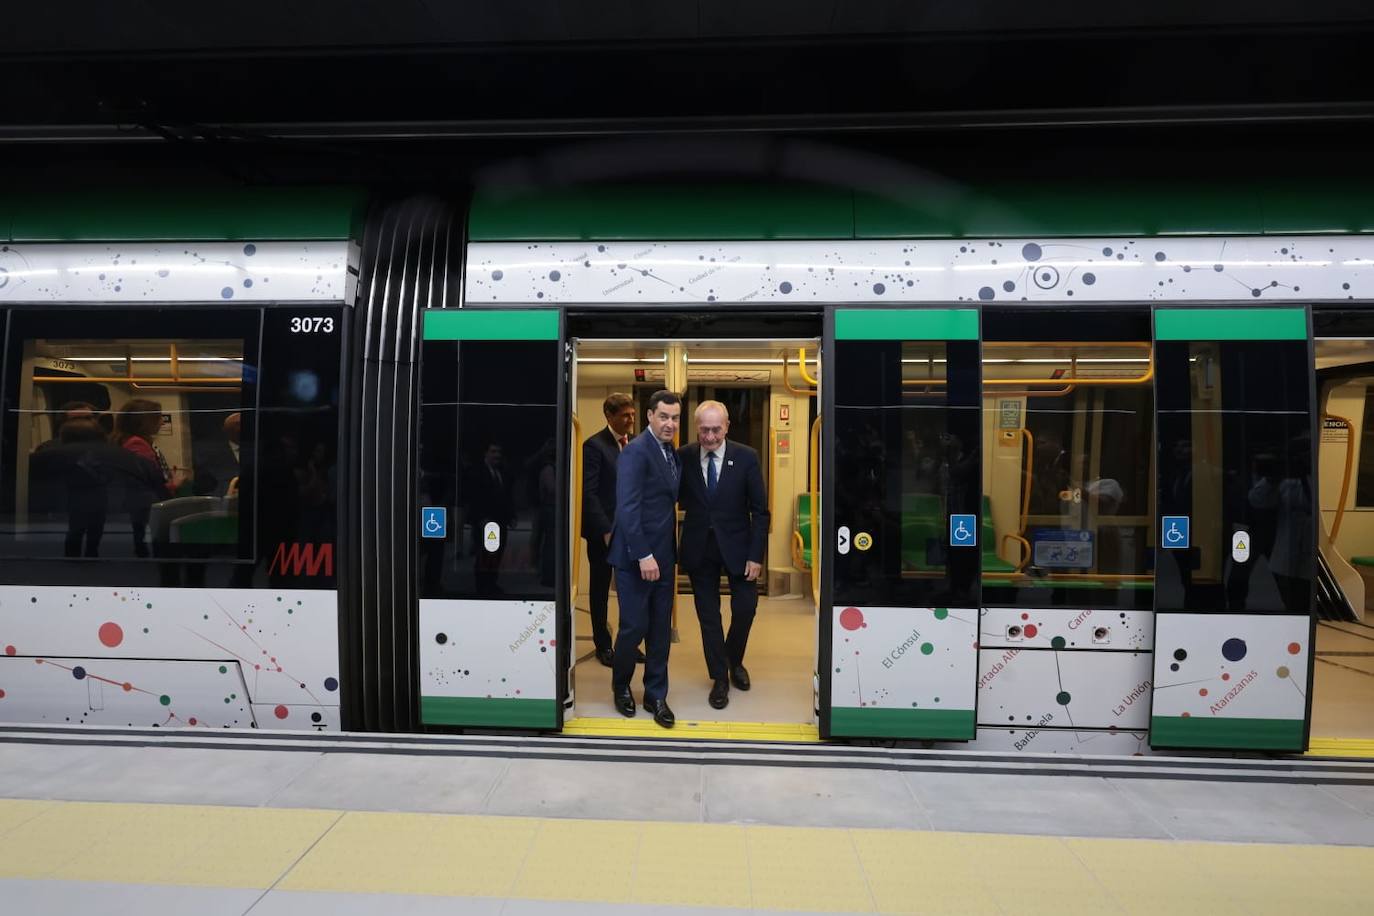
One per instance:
(711,477)
(669,456)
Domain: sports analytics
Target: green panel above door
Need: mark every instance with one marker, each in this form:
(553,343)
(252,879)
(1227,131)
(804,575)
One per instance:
(491,324)
(1231,324)
(906,324)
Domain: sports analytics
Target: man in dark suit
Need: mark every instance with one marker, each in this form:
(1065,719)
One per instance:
(643,550)
(725,526)
(600,453)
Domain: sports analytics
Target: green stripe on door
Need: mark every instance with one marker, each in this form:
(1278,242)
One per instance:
(1234,734)
(930,724)
(497,712)
(491,324)
(1231,324)
(906,324)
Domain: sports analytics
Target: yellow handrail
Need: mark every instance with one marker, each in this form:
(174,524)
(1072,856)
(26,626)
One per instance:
(577,506)
(1345,479)
(814,482)
(1057,382)
(787,381)
(1029,481)
(772,472)
(801,364)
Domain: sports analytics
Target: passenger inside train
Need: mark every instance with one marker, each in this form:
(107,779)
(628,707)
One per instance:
(132,448)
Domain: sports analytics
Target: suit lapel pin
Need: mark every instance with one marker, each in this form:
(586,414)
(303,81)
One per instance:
(730,461)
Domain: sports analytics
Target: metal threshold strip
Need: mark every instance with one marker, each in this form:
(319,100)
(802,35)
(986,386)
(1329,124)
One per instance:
(1296,769)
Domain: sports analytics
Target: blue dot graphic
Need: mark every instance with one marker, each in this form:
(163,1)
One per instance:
(1234,649)
(79,673)
(1031,251)
(250,249)
(226,293)
(1089,279)
(784,287)
(248,283)
(987,293)
(331,684)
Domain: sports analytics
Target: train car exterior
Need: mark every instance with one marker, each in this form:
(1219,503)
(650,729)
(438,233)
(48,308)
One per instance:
(171,439)
(1144,574)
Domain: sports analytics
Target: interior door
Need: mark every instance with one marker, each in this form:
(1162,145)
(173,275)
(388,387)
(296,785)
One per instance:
(493,620)
(1237,529)
(901,525)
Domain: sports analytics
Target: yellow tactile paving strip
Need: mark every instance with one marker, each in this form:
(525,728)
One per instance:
(656,863)
(691,729)
(1341,747)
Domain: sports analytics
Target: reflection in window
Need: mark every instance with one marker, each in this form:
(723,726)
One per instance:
(907,457)
(1067,479)
(1235,453)
(127,448)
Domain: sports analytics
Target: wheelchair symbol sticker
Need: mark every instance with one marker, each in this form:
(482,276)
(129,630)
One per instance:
(434,522)
(963,530)
(1174,532)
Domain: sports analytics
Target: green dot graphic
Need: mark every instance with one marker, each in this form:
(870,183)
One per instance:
(223,669)
(941,613)
(927,648)
(1058,642)
(1062,698)
(165,700)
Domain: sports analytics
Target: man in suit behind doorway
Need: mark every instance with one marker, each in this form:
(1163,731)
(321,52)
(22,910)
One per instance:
(643,550)
(725,526)
(600,453)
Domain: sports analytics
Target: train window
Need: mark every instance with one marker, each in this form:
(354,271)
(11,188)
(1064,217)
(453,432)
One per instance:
(488,452)
(1068,500)
(127,446)
(1235,456)
(907,457)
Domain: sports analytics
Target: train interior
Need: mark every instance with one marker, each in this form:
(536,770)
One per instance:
(1068,501)
(133,447)
(1343,691)
(768,387)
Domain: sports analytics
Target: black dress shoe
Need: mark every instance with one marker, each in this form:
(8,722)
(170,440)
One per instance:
(606,657)
(625,703)
(720,694)
(662,714)
(740,677)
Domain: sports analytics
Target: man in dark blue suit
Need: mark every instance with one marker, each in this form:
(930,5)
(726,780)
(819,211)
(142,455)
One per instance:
(643,550)
(600,453)
(725,526)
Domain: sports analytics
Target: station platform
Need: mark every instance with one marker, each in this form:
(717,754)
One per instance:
(126,821)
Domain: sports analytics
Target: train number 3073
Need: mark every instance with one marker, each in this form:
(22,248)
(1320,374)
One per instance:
(312,325)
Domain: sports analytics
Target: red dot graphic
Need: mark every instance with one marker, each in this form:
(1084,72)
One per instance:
(110,634)
(1226,677)
(2,694)
(851,618)
(10,650)
(1025,616)
(281,712)
(1031,630)
(1294,648)
(126,687)
(191,721)
(1202,692)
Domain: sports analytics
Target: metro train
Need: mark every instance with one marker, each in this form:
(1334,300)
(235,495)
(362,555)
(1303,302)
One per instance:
(308,460)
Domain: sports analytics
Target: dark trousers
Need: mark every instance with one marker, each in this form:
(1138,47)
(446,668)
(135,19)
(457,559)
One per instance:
(599,571)
(646,614)
(722,651)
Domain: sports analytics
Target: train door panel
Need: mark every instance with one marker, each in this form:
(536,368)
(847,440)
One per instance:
(493,634)
(1236,500)
(901,522)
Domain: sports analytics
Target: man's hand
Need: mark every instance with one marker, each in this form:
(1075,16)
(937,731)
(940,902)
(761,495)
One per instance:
(648,569)
(606,539)
(752,570)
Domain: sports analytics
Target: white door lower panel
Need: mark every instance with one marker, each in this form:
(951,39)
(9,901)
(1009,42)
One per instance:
(1063,689)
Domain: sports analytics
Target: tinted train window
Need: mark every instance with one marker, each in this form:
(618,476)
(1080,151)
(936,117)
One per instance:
(1235,456)
(128,445)
(1068,488)
(488,453)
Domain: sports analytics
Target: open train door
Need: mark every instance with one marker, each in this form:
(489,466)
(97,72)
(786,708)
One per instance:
(901,523)
(493,618)
(1237,501)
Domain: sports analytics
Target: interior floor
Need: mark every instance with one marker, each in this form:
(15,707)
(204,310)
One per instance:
(1343,683)
(780,660)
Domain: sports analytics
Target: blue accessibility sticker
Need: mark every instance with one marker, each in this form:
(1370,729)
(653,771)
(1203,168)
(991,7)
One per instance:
(963,530)
(434,522)
(1173,533)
